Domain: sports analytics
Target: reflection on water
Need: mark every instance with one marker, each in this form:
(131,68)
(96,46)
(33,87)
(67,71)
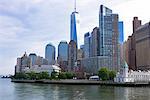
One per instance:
(27,91)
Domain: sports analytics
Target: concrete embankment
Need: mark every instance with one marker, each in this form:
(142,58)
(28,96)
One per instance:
(82,82)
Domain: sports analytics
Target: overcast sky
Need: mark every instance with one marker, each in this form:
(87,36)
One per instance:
(28,25)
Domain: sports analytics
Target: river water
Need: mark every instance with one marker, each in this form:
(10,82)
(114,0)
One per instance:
(28,91)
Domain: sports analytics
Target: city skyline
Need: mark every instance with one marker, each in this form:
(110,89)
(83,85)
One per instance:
(19,32)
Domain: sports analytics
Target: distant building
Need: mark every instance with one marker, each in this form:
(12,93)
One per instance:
(95,42)
(33,58)
(109,36)
(120,44)
(63,55)
(26,62)
(50,54)
(72,57)
(131,45)
(39,61)
(80,56)
(87,45)
(142,46)
(103,43)
(126,75)
(131,53)
(23,63)
(43,68)
(121,32)
(136,23)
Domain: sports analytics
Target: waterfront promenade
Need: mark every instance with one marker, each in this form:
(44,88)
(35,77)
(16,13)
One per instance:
(83,82)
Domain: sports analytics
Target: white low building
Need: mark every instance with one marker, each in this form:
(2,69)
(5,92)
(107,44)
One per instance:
(132,76)
(43,68)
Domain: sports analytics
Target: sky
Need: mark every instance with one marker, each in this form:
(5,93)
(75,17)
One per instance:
(28,25)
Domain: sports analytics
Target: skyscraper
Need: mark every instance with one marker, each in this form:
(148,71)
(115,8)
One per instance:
(121,32)
(121,49)
(74,27)
(95,42)
(33,58)
(108,28)
(72,61)
(131,45)
(87,45)
(142,47)
(50,54)
(63,55)
(105,27)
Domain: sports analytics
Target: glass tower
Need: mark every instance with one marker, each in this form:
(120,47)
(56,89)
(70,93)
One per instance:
(105,28)
(33,58)
(87,45)
(121,30)
(50,54)
(108,28)
(63,51)
(74,25)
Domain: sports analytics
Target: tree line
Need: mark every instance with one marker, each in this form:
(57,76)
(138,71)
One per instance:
(43,75)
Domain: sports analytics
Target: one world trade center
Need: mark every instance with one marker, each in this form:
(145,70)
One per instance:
(74,25)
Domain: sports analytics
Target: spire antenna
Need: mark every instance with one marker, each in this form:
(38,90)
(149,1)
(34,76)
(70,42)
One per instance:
(75,5)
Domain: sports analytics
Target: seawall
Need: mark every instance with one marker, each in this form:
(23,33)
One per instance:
(83,82)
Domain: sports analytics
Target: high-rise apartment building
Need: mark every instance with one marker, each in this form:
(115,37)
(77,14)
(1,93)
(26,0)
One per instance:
(50,54)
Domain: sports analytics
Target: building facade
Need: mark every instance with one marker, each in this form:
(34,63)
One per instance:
(131,45)
(126,75)
(104,43)
(87,45)
(33,58)
(72,57)
(62,59)
(95,42)
(74,26)
(121,41)
(121,32)
(50,54)
(109,36)
(136,23)
(142,40)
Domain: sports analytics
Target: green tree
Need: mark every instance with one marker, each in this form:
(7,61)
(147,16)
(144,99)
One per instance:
(20,76)
(62,75)
(103,73)
(70,75)
(32,75)
(54,75)
(43,75)
(112,75)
